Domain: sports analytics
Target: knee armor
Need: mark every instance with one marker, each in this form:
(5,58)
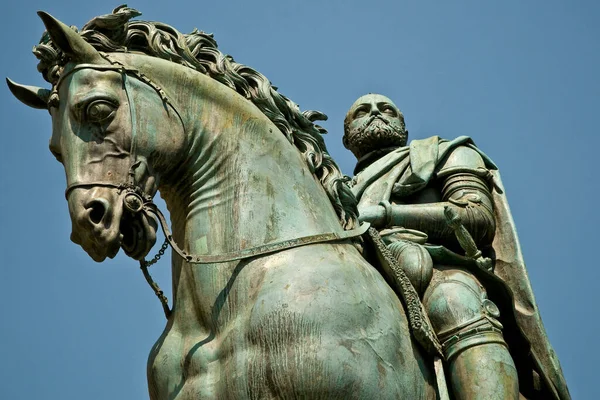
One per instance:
(460,312)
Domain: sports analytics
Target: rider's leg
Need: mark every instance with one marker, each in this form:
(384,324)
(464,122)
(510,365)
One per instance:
(478,362)
(415,262)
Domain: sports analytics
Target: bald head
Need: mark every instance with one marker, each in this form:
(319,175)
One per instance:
(373,122)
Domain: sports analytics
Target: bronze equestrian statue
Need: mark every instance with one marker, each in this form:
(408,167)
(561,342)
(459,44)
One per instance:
(273,295)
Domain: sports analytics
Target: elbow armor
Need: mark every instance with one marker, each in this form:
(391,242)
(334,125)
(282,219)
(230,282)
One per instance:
(469,192)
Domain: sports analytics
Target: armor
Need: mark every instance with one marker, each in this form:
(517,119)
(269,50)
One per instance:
(460,312)
(445,198)
(414,259)
(464,188)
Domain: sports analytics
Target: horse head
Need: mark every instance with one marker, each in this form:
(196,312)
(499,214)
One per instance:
(118,131)
(112,130)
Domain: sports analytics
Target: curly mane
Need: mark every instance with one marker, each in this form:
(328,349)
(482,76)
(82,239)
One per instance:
(198,50)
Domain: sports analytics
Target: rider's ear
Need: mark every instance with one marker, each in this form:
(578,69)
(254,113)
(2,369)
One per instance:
(31,96)
(69,41)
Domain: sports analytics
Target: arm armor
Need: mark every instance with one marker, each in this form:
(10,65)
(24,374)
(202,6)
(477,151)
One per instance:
(465,188)
(469,193)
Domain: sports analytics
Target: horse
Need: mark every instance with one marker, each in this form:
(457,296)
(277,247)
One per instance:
(305,315)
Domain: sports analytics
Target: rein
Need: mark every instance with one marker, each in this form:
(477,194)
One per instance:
(151,208)
(137,201)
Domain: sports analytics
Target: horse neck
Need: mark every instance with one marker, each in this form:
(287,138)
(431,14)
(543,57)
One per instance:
(242,183)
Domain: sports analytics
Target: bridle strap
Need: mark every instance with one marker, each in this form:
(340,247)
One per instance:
(125,72)
(123,69)
(256,251)
(253,251)
(78,185)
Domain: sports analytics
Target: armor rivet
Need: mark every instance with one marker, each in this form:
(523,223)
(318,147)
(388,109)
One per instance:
(491,308)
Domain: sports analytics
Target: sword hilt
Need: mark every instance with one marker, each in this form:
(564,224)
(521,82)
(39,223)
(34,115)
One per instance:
(462,234)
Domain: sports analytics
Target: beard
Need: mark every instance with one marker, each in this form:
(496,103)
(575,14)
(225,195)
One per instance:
(376,133)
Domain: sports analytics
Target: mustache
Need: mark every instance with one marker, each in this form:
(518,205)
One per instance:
(372,118)
(374,133)
(370,127)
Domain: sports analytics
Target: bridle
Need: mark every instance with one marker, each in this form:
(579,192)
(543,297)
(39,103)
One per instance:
(136,201)
(131,187)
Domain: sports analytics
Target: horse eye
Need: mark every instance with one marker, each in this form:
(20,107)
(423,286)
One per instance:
(100,111)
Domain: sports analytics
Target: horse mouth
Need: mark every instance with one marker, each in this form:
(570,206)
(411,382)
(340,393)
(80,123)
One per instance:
(138,235)
(98,251)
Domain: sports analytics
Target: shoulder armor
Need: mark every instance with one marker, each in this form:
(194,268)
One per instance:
(463,159)
(462,156)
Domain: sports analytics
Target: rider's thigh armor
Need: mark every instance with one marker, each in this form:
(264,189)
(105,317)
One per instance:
(460,312)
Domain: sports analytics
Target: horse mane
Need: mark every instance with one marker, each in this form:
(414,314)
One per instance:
(198,50)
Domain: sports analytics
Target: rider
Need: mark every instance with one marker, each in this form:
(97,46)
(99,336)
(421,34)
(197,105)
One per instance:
(404,192)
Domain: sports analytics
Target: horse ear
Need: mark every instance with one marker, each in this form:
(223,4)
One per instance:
(69,41)
(31,96)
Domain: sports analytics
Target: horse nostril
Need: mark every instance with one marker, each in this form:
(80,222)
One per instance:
(97,210)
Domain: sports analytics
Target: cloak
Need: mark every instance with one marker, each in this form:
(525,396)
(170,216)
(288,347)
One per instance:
(407,170)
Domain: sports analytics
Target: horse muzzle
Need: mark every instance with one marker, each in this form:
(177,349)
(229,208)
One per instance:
(104,219)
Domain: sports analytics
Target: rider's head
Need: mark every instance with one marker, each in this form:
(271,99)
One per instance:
(373,122)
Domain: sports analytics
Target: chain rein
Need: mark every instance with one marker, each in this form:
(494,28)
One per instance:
(157,290)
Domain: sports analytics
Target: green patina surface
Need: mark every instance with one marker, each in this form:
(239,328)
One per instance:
(138,108)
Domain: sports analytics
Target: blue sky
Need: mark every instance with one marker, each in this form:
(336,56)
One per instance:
(519,77)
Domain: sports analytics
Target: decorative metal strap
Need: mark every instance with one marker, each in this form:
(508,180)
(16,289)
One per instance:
(254,251)
(420,325)
(150,207)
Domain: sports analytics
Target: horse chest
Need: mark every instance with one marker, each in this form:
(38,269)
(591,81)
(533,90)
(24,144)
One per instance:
(289,329)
